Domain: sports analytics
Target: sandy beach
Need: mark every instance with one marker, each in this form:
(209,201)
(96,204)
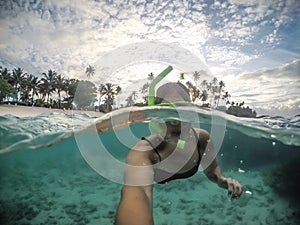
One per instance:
(27,111)
(51,193)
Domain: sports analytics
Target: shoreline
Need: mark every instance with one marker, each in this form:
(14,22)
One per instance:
(28,111)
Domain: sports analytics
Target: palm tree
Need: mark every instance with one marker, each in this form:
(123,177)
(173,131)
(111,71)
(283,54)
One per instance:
(150,76)
(118,90)
(30,88)
(110,91)
(90,71)
(241,104)
(25,89)
(193,90)
(204,96)
(213,88)
(196,76)
(221,85)
(181,76)
(144,91)
(220,90)
(214,81)
(17,80)
(49,83)
(5,75)
(60,85)
(134,95)
(34,87)
(204,84)
(66,90)
(101,92)
(129,101)
(226,97)
(42,92)
(189,84)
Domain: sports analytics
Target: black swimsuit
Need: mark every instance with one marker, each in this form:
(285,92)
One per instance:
(161,176)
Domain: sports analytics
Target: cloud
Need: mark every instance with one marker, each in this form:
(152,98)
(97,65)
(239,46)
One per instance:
(68,35)
(94,27)
(287,72)
(274,89)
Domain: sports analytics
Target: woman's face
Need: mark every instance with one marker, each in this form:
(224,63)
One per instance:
(172,96)
(175,127)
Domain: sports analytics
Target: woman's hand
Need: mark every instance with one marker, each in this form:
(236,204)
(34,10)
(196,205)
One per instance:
(235,189)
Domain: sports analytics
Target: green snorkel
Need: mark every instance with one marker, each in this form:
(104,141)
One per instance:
(156,80)
(151,98)
(151,102)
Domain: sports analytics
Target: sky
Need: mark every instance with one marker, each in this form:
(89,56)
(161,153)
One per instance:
(252,45)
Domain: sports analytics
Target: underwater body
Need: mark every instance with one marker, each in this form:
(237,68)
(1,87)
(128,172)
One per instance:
(46,178)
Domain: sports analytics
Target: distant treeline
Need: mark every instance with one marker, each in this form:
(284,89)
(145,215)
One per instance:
(56,91)
(210,94)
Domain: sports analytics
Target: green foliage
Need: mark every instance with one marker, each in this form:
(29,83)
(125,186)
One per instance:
(40,103)
(54,90)
(6,90)
(109,91)
(90,71)
(238,110)
(72,88)
(211,93)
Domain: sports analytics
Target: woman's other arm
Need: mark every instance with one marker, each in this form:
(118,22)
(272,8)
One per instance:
(213,171)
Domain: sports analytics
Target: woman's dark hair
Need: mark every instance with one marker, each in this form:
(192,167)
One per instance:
(162,91)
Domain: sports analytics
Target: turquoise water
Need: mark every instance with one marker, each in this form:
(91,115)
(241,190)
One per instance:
(45,179)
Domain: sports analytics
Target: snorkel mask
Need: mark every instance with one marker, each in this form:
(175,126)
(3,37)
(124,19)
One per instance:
(155,125)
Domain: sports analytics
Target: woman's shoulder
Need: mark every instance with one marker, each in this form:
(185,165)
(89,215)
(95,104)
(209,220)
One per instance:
(144,148)
(148,143)
(203,134)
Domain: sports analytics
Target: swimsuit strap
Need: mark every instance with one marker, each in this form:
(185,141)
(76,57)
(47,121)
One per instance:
(156,151)
(198,143)
(153,147)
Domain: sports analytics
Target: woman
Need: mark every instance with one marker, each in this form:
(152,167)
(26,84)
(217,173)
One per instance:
(175,152)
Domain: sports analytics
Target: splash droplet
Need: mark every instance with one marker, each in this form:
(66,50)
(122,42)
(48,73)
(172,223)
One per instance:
(273,143)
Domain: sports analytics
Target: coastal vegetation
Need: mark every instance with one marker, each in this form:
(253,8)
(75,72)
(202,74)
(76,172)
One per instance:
(53,90)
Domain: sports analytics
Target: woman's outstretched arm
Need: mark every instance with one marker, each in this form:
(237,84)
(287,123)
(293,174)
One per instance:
(135,207)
